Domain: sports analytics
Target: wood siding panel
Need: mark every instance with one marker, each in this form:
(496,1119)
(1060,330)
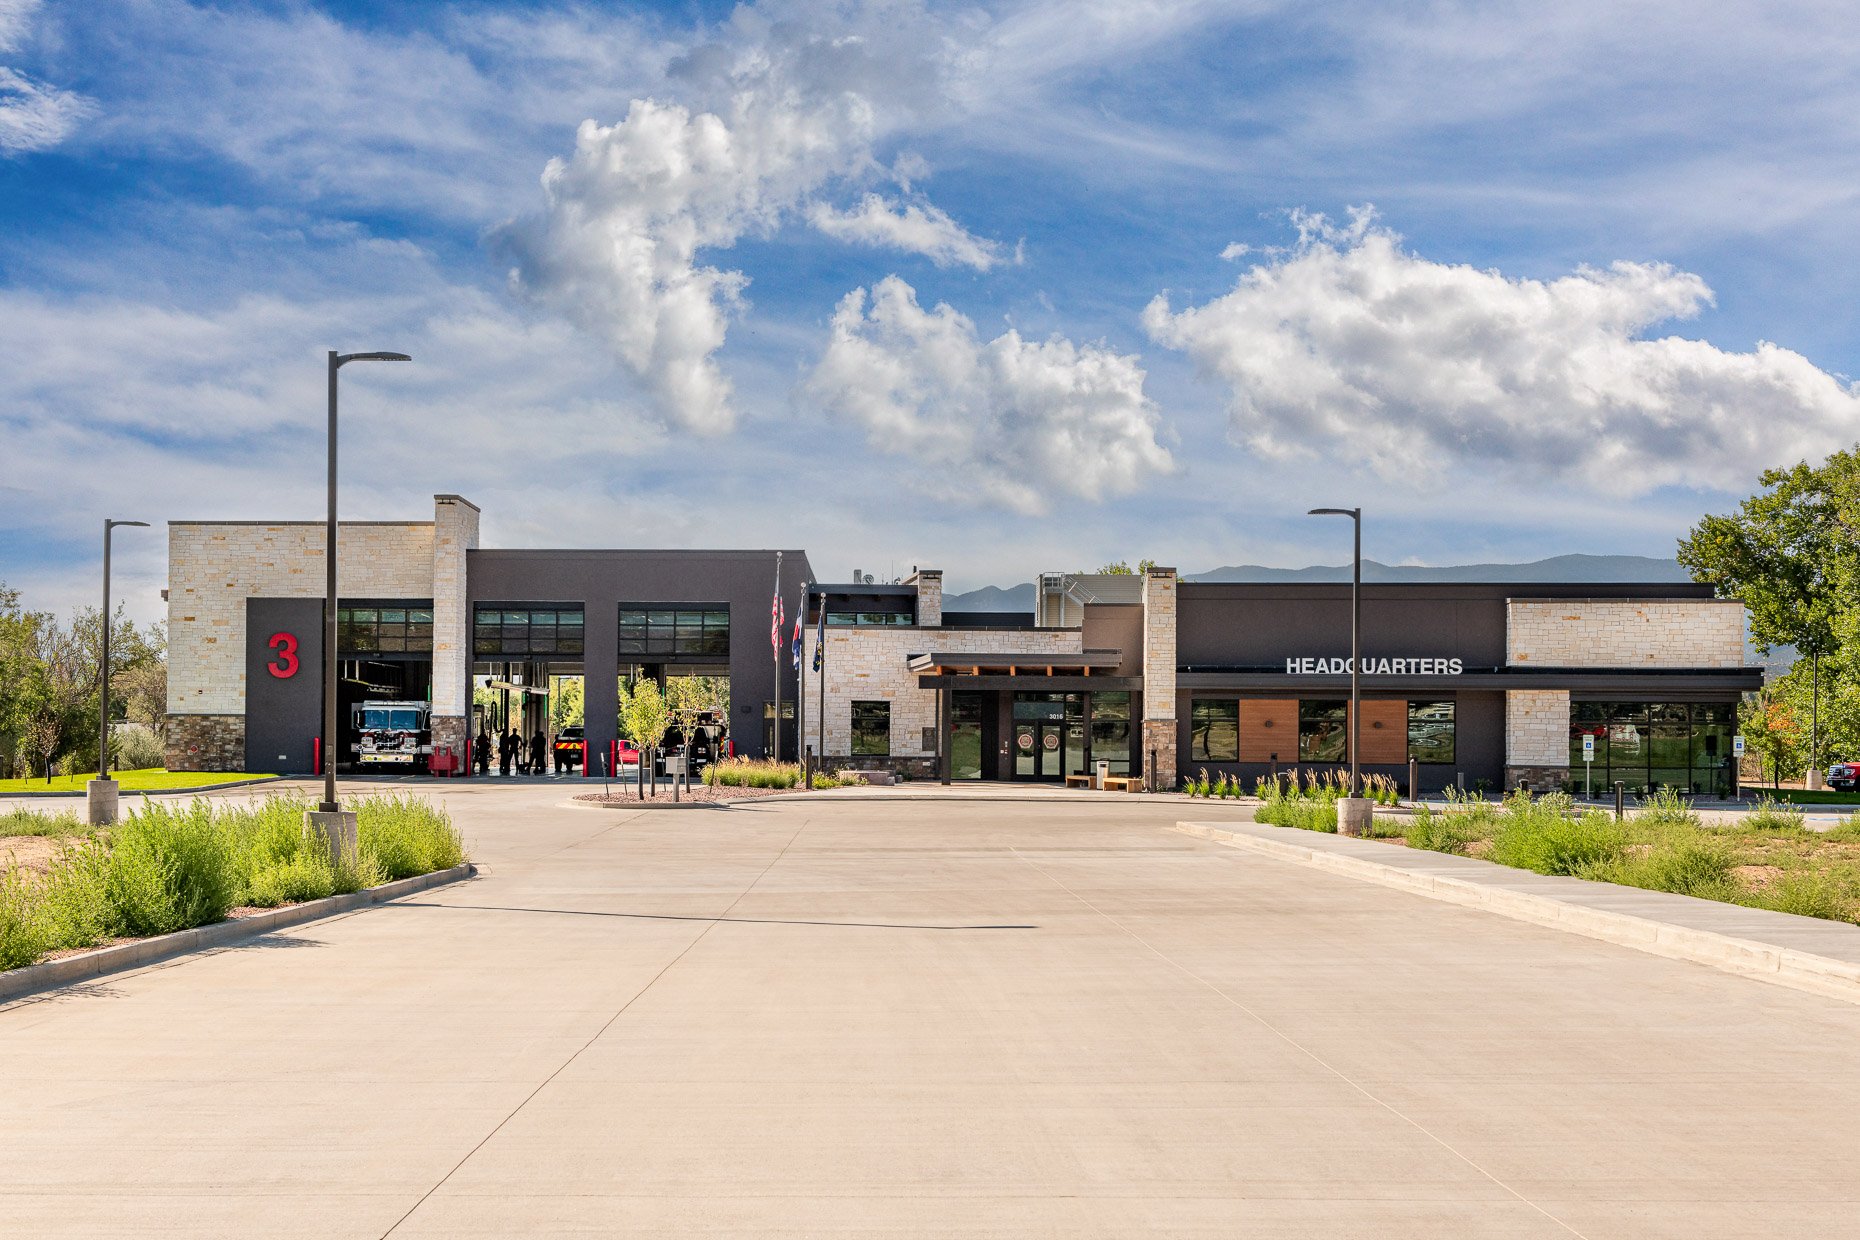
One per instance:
(1386,745)
(1269,726)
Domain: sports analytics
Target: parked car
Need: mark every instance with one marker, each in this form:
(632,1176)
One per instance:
(568,748)
(1843,776)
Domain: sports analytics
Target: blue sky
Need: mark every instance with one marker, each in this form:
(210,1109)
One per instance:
(999,288)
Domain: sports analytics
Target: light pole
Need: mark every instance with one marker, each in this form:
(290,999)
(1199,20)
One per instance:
(102,790)
(334,829)
(1353,812)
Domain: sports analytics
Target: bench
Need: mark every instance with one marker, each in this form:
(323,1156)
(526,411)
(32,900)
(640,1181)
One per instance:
(1112,783)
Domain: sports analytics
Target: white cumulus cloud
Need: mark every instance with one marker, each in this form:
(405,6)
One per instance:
(917,228)
(792,108)
(1347,346)
(1013,421)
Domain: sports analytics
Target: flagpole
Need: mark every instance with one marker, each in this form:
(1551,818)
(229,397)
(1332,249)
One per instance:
(776,643)
(800,692)
(820,656)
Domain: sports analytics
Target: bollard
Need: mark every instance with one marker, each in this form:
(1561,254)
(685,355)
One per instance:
(1152,781)
(1414,781)
(1620,798)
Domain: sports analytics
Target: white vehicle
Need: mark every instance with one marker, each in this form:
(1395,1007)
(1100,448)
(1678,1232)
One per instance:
(392,732)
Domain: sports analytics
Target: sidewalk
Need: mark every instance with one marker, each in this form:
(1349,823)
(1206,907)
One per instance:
(1804,953)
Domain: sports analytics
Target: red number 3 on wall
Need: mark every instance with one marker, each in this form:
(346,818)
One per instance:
(286,665)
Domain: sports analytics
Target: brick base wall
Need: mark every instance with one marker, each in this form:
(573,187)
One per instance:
(206,742)
(915,767)
(1159,734)
(1540,778)
(449,731)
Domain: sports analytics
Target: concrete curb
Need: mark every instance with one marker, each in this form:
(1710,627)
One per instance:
(1785,966)
(145,792)
(54,973)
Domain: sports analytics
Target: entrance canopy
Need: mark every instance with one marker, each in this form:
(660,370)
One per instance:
(1092,669)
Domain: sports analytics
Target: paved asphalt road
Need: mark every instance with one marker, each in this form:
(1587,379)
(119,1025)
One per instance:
(921,1019)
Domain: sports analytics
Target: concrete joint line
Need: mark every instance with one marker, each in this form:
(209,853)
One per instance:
(1799,970)
(55,973)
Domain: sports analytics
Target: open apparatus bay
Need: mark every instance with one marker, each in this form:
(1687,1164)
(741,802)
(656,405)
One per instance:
(170,867)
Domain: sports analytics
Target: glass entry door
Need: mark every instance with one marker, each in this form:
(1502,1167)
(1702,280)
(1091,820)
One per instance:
(1039,749)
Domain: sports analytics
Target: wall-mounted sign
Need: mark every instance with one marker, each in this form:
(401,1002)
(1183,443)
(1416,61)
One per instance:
(1051,741)
(1373,667)
(285,665)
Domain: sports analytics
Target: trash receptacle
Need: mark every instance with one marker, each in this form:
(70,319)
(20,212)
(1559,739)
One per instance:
(1102,773)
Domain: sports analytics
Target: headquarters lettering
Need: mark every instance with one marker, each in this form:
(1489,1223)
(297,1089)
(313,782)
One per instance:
(1373,667)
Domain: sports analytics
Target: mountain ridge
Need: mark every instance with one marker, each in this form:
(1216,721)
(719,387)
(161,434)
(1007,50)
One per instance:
(1574,567)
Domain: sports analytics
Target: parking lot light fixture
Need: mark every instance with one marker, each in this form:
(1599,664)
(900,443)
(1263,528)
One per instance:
(1356,660)
(329,804)
(102,799)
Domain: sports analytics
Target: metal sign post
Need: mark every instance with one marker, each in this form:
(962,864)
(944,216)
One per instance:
(1588,765)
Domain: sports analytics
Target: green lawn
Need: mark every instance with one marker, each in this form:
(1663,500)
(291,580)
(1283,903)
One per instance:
(1802,796)
(153,780)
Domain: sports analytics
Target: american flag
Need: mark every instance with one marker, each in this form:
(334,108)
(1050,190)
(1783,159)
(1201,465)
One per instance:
(775,612)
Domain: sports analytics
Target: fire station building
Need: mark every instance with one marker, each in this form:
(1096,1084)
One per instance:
(1478,684)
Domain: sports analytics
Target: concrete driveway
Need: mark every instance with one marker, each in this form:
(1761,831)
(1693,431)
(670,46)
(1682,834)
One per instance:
(879,1018)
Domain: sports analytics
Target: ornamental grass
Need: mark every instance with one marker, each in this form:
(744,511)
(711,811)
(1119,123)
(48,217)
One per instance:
(169,867)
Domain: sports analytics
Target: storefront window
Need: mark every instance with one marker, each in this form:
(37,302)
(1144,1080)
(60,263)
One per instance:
(1430,731)
(1323,731)
(1110,730)
(965,741)
(1648,745)
(871,729)
(384,630)
(506,630)
(1213,730)
(700,630)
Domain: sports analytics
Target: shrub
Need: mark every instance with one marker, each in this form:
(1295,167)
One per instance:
(1806,895)
(1445,832)
(1305,813)
(752,773)
(1695,867)
(134,747)
(1773,815)
(1665,807)
(1541,838)
(22,926)
(31,822)
(403,836)
(75,899)
(171,868)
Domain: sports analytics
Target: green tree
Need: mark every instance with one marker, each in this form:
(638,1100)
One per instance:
(1121,568)
(644,717)
(567,702)
(1773,731)
(1788,553)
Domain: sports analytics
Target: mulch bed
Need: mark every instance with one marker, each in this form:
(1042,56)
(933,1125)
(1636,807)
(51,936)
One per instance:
(697,794)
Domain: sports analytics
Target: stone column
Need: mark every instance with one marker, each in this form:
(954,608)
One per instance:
(1159,721)
(1537,738)
(455,532)
(929,583)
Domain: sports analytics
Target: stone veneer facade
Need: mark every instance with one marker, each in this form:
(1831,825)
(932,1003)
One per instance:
(1625,633)
(1537,738)
(455,532)
(206,742)
(870,664)
(215,566)
(1159,646)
